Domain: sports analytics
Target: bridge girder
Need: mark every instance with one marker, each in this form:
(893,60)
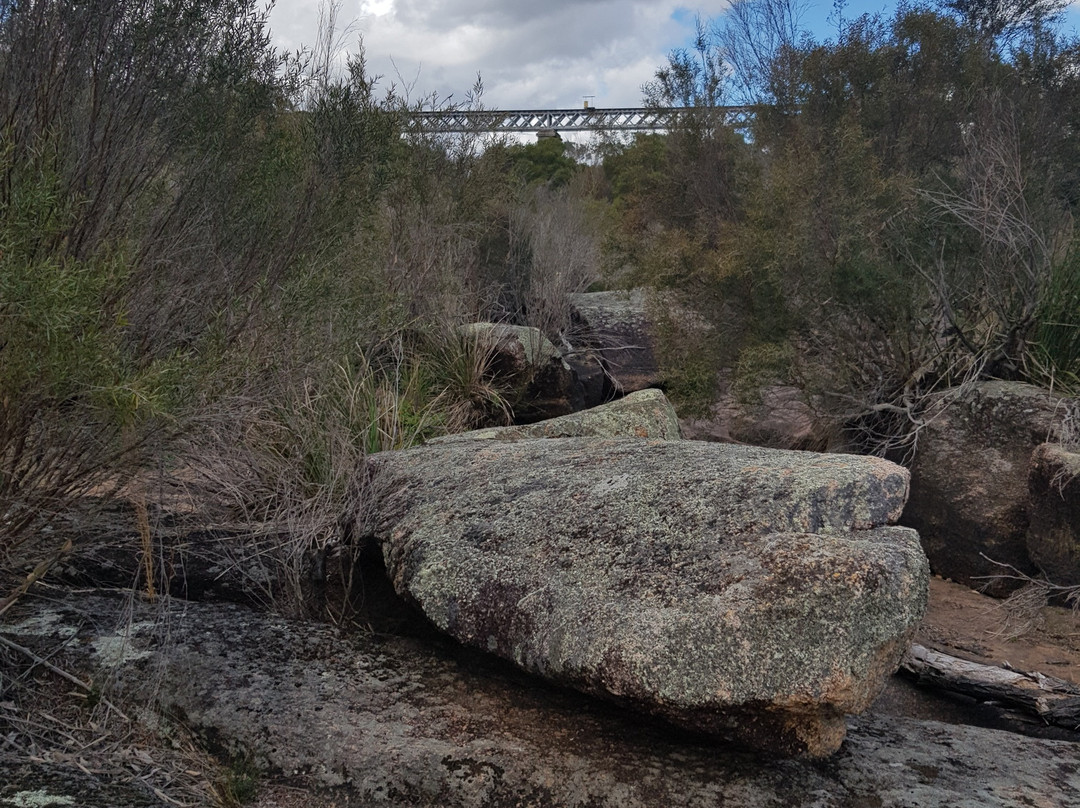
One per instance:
(589,119)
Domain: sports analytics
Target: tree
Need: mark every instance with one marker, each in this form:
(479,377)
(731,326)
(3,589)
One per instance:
(545,161)
(691,78)
(756,37)
(1001,21)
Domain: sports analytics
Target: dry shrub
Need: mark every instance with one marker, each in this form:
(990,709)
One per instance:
(282,470)
(1022,610)
(432,259)
(105,212)
(554,253)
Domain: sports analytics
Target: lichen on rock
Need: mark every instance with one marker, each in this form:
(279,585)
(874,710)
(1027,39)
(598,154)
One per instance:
(751,593)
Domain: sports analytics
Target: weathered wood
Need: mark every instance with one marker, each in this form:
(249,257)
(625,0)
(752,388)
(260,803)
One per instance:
(1054,700)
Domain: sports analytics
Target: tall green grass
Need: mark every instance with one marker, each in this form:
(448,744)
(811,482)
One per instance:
(1055,356)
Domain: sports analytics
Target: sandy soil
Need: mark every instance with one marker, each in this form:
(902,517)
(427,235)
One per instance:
(981,629)
(972,626)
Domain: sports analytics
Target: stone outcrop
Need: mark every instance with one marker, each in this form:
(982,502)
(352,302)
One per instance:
(391,721)
(644,414)
(969,480)
(1053,536)
(626,331)
(541,383)
(750,593)
(617,326)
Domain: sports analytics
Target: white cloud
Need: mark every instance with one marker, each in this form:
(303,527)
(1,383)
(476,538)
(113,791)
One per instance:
(531,54)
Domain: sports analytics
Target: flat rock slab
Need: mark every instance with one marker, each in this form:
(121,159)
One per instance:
(394,722)
(744,592)
(644,414)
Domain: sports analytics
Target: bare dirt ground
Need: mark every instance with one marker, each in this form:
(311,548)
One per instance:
(966,624)
(1029,637)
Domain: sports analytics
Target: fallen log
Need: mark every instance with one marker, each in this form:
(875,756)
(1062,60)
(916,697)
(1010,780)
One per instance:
(1055,701)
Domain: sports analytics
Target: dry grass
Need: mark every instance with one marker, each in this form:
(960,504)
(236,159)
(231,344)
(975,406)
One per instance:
(283,470)
(1022,610)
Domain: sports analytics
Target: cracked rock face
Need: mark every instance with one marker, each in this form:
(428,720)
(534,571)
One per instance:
(754,594)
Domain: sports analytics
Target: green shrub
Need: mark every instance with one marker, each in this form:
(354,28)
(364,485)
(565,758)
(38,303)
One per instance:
(1056,355)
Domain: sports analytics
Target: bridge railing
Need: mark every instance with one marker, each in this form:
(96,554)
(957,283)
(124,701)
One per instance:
(623,119)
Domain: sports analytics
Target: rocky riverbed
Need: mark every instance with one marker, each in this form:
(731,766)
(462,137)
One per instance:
(370,719)
(668,557)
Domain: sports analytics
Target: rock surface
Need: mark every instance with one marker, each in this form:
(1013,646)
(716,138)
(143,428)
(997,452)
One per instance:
(52,785)
(745,592)
(1053,536)
(396,722)
(776,416)
(618,327)
(644,414)
(591,378)
(969,480)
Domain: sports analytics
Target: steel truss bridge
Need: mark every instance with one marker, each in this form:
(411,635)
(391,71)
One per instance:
(588,119)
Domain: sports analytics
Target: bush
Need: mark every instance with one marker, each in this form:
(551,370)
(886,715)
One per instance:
(898,219)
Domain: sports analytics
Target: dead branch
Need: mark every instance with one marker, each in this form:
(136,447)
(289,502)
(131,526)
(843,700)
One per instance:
(1054,700)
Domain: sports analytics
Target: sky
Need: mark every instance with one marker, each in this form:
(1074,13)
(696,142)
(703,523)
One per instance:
(531,54)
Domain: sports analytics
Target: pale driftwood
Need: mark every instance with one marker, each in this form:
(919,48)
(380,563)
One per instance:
(1054,700)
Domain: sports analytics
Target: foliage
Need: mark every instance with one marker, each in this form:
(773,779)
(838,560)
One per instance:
(692,79)
(283,462)
(216,255)
(228,264)
(1003,20)
(757,39)
(552,255)
(239,783)
(544,161)
(1055,359)
(898,220)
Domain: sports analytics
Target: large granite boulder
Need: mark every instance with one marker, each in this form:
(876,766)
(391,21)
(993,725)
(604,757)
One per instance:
(969,480)
(1053,536)
(391,721)
(750,593)
(644,414)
